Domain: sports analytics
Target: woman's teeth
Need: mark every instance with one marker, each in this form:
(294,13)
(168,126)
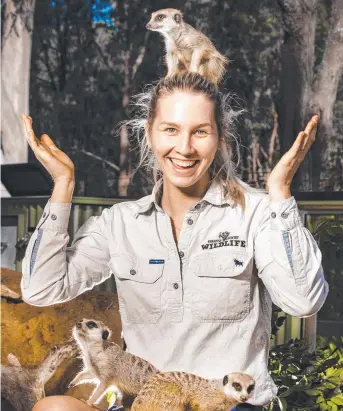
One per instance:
(184,164)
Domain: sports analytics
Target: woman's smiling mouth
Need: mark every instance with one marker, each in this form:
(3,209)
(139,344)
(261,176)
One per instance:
(183,165)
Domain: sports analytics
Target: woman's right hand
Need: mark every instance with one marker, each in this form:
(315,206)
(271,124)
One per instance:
(57,163)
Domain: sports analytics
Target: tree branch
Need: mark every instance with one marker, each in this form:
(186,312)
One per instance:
(109,163)
(140,56)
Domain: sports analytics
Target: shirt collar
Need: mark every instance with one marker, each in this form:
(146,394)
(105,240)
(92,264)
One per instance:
(214,195)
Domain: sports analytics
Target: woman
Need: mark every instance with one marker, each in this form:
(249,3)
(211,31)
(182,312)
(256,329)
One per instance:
(199,261)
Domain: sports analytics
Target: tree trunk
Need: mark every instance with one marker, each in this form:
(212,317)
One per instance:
(324,92)
(297,60)
(304,90)
(125,162)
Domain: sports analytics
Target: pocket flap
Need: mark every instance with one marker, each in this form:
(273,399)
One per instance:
(129,267)
(230,264)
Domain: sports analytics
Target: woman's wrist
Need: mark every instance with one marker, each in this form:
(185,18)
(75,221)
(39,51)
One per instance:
(63,191)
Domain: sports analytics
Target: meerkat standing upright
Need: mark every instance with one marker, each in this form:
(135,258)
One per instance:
(106,362)
(179,391)
(187,49)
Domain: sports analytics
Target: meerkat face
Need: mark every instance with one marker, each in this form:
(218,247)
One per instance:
(239,386)
(165,20)
(91,330)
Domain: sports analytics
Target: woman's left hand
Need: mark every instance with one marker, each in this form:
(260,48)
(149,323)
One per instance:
(280,179)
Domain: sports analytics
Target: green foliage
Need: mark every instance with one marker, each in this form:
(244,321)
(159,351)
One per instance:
(307,381)
(328,232)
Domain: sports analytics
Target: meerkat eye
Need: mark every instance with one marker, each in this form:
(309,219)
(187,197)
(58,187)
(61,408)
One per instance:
(237,386)
(91,324)
(160,17)
(250,388)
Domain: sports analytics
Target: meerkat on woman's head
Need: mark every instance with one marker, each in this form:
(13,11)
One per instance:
(107,365)
(179,391)
(187,49)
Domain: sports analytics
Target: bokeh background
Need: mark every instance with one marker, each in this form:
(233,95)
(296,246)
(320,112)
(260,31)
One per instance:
(74,64)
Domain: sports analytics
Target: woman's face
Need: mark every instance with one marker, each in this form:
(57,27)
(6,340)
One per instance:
(184,137)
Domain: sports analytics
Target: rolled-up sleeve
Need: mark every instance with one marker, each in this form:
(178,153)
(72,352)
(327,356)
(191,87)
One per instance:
(55,273)
(288,259)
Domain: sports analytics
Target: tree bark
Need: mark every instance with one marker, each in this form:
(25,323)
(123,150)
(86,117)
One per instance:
(324,92)
(125,162)
(306,90)
(297,61)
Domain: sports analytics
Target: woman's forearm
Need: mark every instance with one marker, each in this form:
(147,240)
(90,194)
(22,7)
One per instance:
(63,191)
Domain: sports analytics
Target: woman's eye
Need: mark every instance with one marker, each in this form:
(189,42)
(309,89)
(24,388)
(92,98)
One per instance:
(201,132)
(170,129)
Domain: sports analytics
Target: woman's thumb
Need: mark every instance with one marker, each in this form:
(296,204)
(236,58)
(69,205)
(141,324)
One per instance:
(47,141)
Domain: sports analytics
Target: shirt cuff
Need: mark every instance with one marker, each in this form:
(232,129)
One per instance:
(284,215)
(55,217)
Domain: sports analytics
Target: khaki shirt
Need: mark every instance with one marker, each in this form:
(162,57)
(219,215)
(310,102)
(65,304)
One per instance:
(202,306)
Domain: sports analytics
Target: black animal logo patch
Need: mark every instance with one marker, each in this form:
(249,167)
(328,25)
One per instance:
(238,263)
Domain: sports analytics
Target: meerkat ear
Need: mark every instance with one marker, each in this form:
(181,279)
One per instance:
(225,380)
(105,335)
(178,18)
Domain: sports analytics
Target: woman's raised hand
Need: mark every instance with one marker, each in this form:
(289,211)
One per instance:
(57,163)
(280,179)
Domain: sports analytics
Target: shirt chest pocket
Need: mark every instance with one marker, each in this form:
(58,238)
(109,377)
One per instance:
(139,288)
(221,286)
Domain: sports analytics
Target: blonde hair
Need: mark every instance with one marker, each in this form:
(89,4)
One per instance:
(223,167)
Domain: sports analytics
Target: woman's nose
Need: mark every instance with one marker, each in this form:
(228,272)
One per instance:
(184,144)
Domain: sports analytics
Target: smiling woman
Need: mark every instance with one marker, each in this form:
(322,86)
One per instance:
(198,262)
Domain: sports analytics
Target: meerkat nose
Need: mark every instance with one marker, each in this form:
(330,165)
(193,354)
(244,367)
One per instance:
(148,26)
(243,399)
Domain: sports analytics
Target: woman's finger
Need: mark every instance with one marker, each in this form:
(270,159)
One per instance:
(299,144)
(48,142)
(29,133)
(312,125)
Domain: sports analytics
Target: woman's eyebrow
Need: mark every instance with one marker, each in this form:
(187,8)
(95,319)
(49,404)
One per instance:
(176,125)
(168,124)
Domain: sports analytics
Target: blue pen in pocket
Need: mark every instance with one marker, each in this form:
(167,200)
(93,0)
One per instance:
(156,261)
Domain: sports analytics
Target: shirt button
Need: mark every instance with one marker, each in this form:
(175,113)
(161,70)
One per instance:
(44,214)
(190,221)
(53,217)
(284,215)
(181,254)
(176,286)
(197,206)
(273,214)
(132,272)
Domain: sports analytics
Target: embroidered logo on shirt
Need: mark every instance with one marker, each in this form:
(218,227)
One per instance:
(238,263)
(225,240)
(156,261)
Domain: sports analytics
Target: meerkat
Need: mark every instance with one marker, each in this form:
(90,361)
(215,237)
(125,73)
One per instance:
(179,391)
(187,49)
(22,386)
(107,365)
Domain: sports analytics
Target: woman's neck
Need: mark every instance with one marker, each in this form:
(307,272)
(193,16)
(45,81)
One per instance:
(176,201)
